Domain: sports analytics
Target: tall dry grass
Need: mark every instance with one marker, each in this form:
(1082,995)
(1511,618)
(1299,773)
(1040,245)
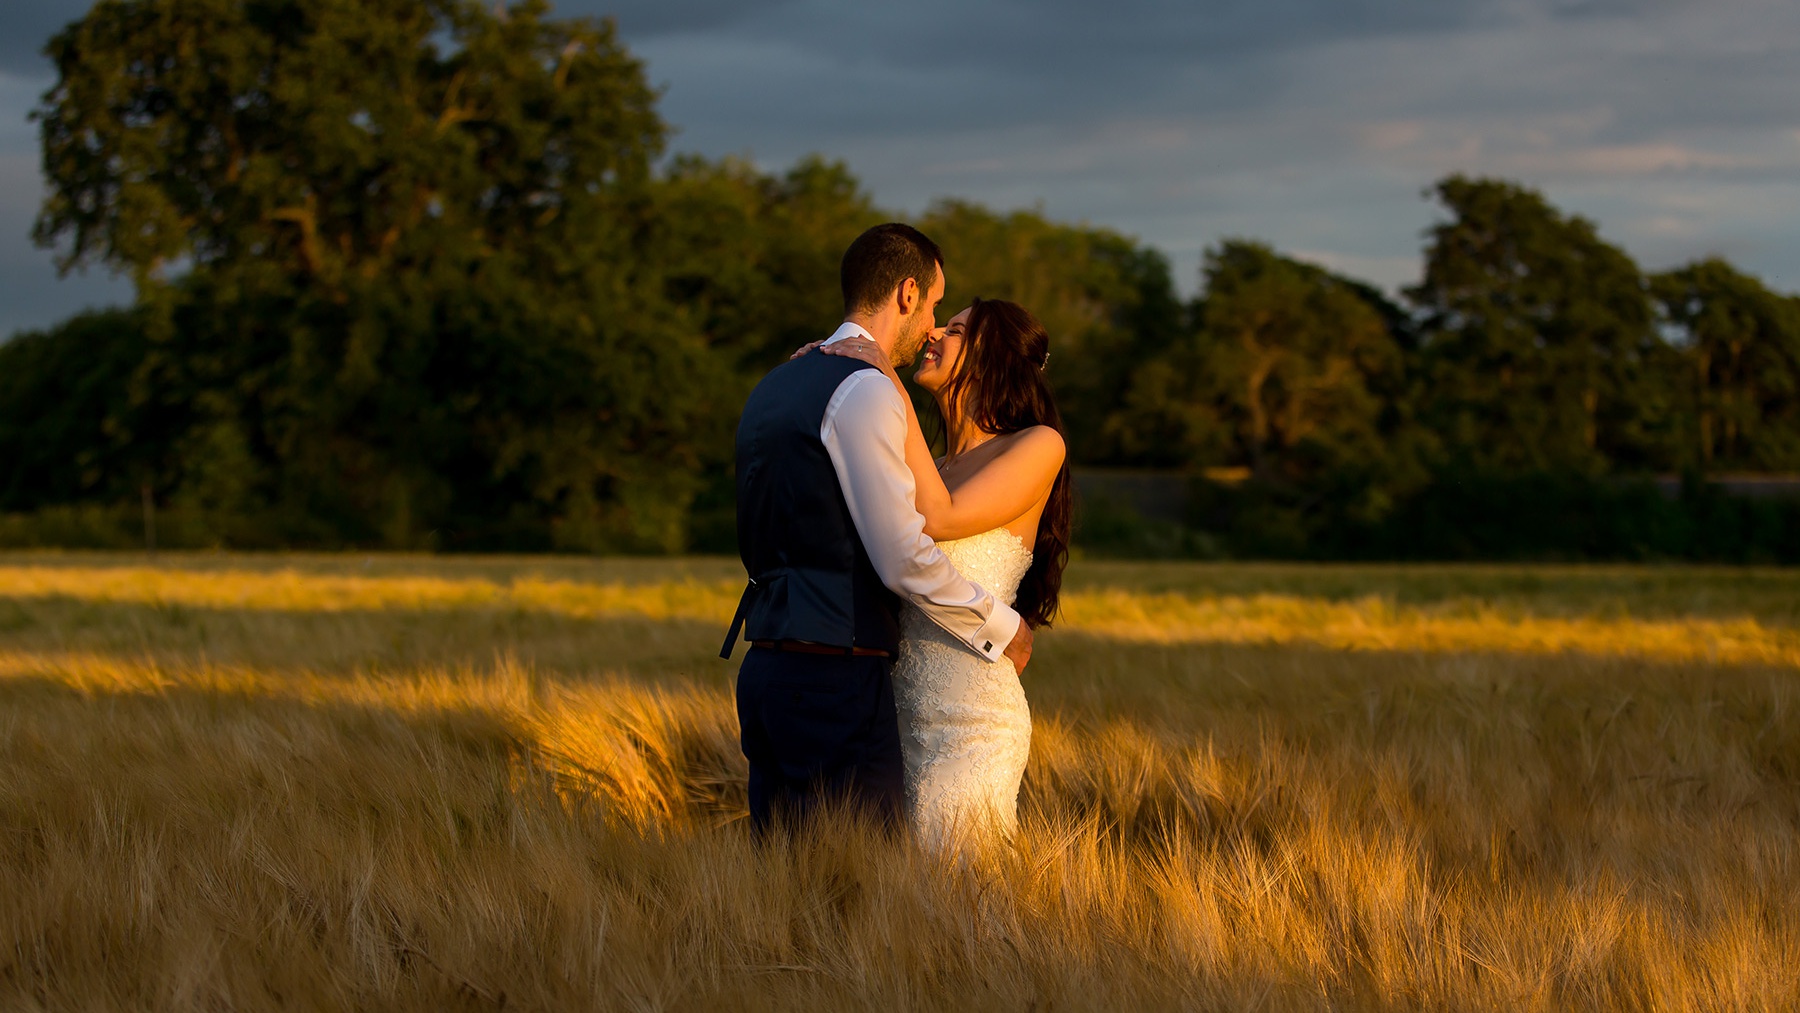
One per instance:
(436,796)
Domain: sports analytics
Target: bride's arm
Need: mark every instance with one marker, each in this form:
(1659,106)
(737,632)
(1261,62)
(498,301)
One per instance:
(1001,492)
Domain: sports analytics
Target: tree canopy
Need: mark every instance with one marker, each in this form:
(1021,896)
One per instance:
(397,252)
(1539,335)
(1741,389)
(420,274)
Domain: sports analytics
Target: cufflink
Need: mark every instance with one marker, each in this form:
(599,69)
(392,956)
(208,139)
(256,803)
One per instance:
(987,647)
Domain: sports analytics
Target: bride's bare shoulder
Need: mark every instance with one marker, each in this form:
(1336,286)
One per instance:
(1037,440)
(1038,446)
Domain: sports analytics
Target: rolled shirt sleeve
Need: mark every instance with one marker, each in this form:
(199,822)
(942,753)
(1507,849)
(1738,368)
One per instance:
(864,431)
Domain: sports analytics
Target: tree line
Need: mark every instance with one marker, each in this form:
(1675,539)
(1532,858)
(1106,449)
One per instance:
(420,274)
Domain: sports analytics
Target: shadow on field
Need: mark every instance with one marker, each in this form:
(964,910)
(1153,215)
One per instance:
(361,640)
(100,736)
(1768,594)
(1084,675)
(1074,677)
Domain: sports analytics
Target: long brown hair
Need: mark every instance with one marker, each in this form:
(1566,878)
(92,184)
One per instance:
(998,387)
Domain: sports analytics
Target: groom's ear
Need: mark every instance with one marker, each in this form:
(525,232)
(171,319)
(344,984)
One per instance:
(906,296)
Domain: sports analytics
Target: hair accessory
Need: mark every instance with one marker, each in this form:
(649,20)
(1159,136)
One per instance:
(1045,363)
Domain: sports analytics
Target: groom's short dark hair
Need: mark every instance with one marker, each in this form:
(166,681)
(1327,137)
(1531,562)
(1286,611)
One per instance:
(881,259)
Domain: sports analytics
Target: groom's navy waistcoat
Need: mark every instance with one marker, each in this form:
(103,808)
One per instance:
(810,578)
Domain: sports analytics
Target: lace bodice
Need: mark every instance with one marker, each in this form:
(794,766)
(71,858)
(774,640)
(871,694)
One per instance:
(997,560)
(964,725)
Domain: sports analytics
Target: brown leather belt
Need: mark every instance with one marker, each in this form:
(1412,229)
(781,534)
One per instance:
(808,647)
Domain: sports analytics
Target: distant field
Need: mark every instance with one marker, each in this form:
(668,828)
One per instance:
(242,782)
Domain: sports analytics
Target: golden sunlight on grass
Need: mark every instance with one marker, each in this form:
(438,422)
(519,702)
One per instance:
(1377,624)
(1457,624)
(292,591)
(232,783)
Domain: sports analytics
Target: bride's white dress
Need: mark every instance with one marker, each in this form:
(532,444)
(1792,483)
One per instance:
(964,724)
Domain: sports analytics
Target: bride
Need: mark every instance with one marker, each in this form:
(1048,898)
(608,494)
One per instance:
(998,505)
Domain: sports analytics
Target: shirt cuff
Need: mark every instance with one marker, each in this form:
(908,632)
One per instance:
(991,639)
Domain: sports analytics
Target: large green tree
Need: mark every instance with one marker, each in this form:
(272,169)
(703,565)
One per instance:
(1295,356)
(1740,344)
(1297,377)
(1286,369)
(1540,350)
(394,250)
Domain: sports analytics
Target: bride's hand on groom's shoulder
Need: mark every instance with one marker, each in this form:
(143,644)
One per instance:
(867,351)
(803,349)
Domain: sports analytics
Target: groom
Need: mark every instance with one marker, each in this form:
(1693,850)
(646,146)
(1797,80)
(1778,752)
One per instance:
(832,542)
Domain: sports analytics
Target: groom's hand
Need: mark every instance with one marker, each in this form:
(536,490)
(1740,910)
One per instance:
(1019,651)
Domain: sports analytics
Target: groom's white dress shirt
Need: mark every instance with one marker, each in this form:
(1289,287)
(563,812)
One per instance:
(864,431)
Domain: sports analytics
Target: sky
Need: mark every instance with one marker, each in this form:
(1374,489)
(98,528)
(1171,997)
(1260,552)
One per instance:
(1314,125)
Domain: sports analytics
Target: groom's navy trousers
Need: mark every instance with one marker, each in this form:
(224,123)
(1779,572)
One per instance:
(819,728)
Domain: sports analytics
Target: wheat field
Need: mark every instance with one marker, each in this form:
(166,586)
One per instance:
(341,782)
